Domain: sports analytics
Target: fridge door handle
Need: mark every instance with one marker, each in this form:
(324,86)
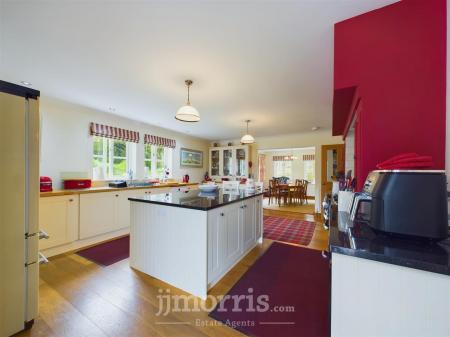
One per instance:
(43,235)
(42,259)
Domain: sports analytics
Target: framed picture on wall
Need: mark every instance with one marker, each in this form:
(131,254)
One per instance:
(191,158)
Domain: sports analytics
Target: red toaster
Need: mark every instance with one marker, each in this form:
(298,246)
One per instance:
(73,184)
(46,184)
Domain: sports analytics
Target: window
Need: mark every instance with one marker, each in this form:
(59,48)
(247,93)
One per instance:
(112,158)
(309,170)
(282,168)
(156,160)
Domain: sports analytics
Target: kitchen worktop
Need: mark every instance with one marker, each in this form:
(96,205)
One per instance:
(359,240)
(110,189)
(196,199)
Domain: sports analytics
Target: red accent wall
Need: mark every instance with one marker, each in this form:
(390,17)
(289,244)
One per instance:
(396,56)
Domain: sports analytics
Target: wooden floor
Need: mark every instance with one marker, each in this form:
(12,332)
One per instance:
(308,208)
(79,298)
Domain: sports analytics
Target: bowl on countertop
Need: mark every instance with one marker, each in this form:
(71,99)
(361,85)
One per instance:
(207,187)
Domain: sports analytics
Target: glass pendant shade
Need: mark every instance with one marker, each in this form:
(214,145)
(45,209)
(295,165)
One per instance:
(247,139)
(187,113)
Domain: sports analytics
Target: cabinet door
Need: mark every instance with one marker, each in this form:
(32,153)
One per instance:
(216,243)
(228,168)
(241,162)
(123,207)
(98,213)
(258,217)
(214,163)
(248,223)
(58,217)
(233,236)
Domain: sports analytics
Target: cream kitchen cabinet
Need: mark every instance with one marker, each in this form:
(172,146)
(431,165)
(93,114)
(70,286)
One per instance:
(105,212)
(58,217)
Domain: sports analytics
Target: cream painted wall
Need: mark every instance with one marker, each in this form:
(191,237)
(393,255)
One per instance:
(297,140)
(66,145)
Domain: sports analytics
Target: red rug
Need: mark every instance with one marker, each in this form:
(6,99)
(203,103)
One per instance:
(296,282)
(295,231)
(109,252)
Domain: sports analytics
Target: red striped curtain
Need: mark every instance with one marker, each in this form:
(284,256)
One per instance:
(160,141)
(308,157)
(282,158)
(113,132)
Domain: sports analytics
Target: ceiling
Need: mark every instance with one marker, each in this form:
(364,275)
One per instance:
(268,61)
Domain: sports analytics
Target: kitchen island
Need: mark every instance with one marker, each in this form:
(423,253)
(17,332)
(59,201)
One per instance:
(191,239)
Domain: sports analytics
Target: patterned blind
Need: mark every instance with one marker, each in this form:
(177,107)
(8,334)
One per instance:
(160,141)
(308,157)
(282,158)
(113,132)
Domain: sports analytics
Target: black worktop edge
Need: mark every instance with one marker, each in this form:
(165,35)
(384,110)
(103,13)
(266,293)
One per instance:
(195,207)
(408,263)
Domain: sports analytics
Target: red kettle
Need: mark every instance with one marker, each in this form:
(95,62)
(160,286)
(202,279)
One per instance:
(186,178)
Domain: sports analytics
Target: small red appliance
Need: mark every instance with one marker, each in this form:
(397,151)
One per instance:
(73,184)
(46,184)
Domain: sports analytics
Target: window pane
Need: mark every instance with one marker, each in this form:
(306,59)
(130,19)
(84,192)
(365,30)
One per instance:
(119,167)
(120,148)
(159,153)
(97,161)
(98,145)
(160,168)
(148,151)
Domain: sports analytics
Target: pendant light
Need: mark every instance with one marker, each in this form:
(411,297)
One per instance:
(187,113)
(247,138)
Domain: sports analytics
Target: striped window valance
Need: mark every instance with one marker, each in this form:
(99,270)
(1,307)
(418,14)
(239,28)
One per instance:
(308,157)
(282,158)
(113,132)
(160,141)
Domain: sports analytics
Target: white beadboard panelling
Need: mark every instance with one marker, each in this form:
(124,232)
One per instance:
(371,298)
(170,243)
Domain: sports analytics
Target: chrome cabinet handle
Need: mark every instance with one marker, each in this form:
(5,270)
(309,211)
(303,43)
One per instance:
(42,259)
(43,235)
(221,214)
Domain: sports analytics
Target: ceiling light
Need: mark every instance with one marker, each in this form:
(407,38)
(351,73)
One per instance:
(247,138)
(315,128)
(187,113)
(28,84)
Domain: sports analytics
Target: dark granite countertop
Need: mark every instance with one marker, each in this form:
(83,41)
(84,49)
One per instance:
(195,199)
(359,240)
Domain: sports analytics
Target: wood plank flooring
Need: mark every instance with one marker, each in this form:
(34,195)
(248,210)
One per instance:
(79,298)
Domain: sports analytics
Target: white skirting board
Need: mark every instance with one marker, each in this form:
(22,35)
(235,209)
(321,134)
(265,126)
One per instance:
(371,298)
(170,243)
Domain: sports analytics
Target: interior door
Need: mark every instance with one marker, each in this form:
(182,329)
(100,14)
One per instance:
(333,162)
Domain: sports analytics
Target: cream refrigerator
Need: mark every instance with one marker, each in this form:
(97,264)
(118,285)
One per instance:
(19,204)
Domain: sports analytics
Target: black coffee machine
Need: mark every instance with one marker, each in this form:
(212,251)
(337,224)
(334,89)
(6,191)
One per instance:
(410,203)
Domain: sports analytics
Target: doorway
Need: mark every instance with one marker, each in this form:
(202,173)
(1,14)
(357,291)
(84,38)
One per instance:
(293,166)
(333,163)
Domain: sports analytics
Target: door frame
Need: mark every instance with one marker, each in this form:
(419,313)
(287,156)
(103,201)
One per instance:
(340,148)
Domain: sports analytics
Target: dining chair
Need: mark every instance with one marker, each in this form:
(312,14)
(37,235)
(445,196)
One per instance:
(304,191)
(282,192)
(272,191)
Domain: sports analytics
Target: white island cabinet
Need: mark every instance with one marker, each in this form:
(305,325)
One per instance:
(191,241)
